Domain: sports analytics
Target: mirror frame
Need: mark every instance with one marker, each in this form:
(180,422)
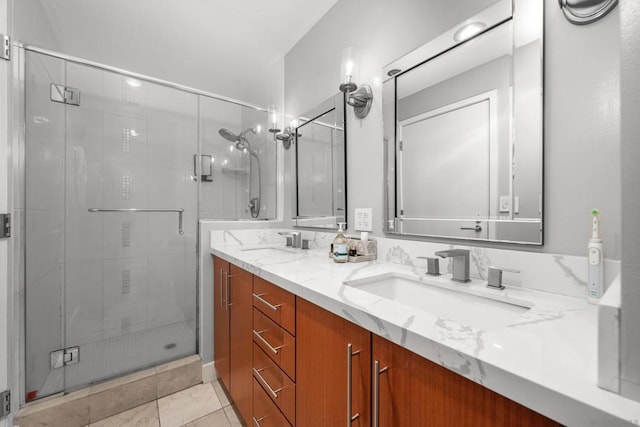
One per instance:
(334,103)
(501,12)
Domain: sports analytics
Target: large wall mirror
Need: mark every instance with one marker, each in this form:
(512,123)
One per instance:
(463,130)
(320,199)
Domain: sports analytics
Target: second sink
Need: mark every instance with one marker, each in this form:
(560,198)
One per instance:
(462,305)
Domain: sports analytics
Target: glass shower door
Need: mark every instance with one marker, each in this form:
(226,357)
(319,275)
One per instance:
(111,209)
(131,212)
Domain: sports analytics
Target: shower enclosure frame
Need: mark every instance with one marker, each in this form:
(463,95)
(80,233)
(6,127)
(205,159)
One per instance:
(18,188)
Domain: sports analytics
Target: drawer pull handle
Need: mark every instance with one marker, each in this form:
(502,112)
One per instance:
(267,303)
(350,353)
(264,382)
(257,421)
(273,349)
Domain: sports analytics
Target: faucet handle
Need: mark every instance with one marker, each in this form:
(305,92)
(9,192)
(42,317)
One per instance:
(433,265)
(495,277)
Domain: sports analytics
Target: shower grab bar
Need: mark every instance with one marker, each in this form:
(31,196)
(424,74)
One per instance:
(179,211)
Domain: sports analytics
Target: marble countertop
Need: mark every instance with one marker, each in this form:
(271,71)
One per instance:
(544,359)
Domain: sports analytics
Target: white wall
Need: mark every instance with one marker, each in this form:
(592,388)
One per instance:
(582,154)
(630,112)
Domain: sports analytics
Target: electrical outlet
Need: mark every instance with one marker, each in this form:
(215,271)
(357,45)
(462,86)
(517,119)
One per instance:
(363,219)
(505,204)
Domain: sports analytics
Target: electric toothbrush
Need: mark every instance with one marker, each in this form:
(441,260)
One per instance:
(595,258)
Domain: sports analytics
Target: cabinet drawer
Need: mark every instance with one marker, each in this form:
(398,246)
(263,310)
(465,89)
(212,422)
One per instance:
(276,303)
(277,343)
(265,413)
(276,384)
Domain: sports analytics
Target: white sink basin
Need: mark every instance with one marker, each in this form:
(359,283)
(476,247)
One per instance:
(270,249)
(457,302)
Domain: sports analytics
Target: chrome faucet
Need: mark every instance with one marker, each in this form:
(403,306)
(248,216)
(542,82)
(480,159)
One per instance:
(295,236)
(495,277)
(460,269)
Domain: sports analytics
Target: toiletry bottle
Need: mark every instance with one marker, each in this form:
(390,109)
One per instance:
(340,245)
(595,259)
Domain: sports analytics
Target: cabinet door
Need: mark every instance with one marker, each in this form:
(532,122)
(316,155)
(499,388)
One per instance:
(221,320)
(241,339)
(414,391)
(323,359)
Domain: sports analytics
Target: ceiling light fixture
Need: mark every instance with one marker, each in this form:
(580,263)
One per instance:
(467,31)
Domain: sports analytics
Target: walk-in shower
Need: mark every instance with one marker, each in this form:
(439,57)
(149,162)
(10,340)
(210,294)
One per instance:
(111,198)
(242,144)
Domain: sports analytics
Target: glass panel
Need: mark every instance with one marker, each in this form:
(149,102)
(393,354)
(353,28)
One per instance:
(130,279)
(44,215)
(243,163)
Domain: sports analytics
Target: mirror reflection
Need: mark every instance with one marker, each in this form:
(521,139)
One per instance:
(319,193)
(464,134)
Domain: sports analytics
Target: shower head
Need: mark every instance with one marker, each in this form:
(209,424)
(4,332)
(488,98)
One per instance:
(228,135)
(241,143)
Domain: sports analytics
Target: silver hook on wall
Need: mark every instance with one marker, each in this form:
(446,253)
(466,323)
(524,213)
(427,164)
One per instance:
(582,12)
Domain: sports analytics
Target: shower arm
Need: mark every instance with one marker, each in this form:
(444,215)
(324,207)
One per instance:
(179,211)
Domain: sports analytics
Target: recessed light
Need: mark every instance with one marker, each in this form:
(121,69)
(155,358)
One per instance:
(469,30)
(133,82)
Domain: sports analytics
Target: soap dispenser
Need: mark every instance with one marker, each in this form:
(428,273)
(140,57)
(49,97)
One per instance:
(340,245)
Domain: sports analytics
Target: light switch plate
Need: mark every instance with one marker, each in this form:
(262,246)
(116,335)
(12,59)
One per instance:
(363,219)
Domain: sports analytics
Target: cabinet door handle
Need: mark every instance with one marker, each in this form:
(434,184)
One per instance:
(350,354)
(264,382)
(222,285)
(256,422)
(376,392)
(267,303)
(228,285)
(273,349)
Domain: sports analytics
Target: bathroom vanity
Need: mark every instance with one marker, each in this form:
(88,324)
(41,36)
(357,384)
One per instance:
(312,367)
(328,346)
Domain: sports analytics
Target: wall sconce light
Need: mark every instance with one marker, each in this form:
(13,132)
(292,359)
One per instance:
(286,137)
(289,135)
(359,97)
(273,120)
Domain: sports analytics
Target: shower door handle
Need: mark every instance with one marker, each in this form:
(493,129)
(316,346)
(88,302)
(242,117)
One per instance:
(134,210)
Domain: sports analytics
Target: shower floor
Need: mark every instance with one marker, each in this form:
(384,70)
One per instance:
(116,356)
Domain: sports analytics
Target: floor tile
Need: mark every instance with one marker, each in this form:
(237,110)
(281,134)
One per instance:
(188,405)
(215,419)
(222,395)
(141,416)
(232,416)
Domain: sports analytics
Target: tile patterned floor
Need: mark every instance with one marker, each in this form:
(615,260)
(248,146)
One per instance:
(204,405)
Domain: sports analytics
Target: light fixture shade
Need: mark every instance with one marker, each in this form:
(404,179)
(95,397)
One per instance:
(272,111)
(349,65)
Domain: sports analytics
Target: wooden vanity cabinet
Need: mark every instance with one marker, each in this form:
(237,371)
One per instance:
(287,362)
(221,321)
(328,347)
(414,391)
(233,328)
